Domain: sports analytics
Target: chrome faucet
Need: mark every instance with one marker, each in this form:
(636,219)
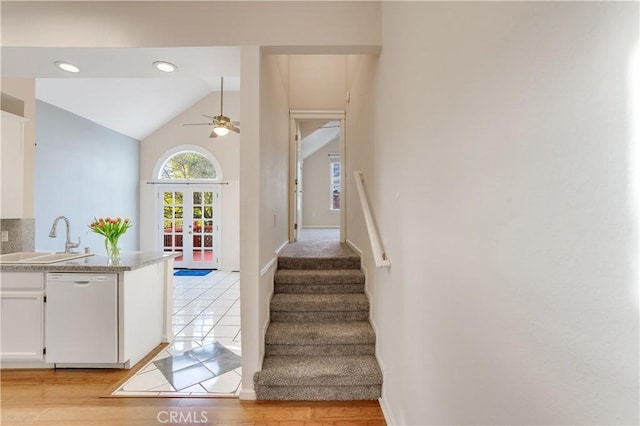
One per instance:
(68,245)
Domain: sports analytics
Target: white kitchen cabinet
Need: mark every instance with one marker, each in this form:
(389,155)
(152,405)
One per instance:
(12,166)
(22,316)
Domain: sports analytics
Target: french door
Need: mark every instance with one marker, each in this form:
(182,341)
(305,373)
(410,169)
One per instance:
(189,224)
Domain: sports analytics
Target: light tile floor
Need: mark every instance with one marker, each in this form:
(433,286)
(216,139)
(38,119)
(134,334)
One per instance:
(203,360)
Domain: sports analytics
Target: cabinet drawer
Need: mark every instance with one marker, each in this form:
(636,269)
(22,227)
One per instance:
(21,280)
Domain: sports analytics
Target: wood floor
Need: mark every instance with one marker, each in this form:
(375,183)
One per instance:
(78,398)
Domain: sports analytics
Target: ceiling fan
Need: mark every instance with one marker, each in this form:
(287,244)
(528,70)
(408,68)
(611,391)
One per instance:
(221,123)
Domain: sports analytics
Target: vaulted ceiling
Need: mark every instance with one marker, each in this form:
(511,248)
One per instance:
(119,88)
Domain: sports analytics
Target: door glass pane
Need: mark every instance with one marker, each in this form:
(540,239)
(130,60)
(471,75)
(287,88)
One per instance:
(197,198)
(197,212)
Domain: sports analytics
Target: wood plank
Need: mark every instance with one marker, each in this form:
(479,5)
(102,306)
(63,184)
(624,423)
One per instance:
(70,397)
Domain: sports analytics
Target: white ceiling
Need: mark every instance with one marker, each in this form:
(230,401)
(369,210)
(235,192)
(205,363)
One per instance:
(119,88)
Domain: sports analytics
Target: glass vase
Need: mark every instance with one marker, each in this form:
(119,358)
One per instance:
(113,251)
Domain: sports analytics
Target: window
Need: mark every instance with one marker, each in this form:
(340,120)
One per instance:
(187,165)
(335,173)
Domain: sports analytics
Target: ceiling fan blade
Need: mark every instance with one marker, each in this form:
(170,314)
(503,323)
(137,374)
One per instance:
(208,116)
(233,128)
(235,123)
(213,135)
(197,124)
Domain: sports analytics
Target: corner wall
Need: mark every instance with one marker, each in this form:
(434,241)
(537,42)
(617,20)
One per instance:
(506,194)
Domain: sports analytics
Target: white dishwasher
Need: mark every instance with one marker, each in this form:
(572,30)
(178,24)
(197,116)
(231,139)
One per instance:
(81,318)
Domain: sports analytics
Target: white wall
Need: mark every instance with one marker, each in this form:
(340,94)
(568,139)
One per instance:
(83,170)
(225,149)
(328,27)
(317,82)
(251,298)
(506,199)
(316,189)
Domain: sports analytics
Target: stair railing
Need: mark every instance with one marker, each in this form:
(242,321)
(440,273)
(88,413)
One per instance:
(379,255)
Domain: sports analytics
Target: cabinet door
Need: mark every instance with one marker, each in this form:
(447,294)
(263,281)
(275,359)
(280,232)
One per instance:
(21,325)
(11,158)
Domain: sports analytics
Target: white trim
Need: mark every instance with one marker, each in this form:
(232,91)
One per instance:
(6,114)
(321,227)
(247,395)
(355,248)
(301,114)
(193,148)
(279,249)
(268,266)
(389,418)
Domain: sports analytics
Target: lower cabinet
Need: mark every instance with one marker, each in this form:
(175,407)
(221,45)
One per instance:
(22,317)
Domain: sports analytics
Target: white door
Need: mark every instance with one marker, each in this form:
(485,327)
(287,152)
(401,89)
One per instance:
(189,224)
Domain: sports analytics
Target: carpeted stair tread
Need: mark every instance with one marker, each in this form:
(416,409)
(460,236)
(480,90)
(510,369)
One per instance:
(318,255)
(319,316)
(319,350)
(320,263)
(318,288)
(347,370)
(294,302)
(317,249)
(318,393)
(289,333)
(305,276)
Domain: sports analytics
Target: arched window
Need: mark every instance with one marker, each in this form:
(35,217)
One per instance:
(188,163)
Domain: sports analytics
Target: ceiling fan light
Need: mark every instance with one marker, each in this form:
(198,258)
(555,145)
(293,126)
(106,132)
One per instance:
(220,131)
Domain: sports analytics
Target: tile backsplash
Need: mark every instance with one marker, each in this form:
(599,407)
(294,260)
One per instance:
(21,235)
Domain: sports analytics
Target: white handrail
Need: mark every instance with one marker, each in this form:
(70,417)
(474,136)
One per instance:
(379,255)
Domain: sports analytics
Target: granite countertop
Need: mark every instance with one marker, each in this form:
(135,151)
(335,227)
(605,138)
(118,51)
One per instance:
(128,261)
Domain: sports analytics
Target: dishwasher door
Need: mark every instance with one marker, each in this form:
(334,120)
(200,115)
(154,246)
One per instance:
(81,318)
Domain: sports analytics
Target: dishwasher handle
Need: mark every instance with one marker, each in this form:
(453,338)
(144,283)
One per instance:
(83,278)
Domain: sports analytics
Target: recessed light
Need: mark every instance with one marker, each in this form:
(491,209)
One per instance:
(67,66)
(165,66)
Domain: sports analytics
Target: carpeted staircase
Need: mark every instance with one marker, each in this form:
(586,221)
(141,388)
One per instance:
(319,345)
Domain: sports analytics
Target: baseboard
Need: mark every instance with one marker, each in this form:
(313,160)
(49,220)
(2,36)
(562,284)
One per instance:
(249,395)
(386,410)
(281,247)
(355,248)
(230,269)
(10,365)
(389,418)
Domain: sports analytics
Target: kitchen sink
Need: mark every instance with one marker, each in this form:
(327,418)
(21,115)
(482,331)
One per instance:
(40,257)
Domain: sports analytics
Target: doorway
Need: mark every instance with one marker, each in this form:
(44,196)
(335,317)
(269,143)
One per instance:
(317,198)
(189,215)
